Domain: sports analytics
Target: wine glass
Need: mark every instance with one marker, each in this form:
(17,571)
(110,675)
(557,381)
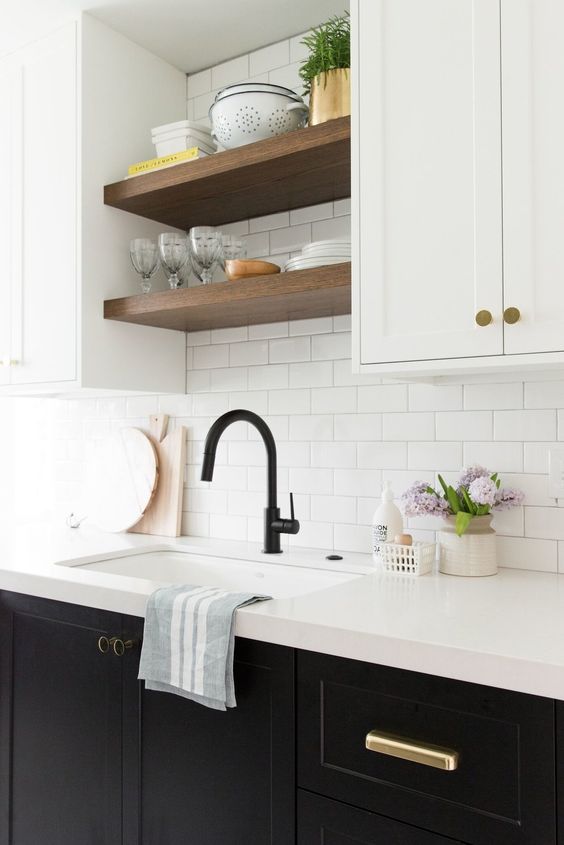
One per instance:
(144,256)
(205,251)
(173,249)
(232,247)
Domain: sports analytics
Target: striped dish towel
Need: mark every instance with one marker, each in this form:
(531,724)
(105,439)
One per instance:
(189,641)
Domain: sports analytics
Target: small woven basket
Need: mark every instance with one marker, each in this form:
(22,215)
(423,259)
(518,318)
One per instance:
(417,559)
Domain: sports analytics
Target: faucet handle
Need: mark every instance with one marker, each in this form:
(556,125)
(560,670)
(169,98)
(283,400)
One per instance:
(287,526)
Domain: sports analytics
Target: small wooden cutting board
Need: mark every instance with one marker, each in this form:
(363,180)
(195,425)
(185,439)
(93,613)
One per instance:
(164,514)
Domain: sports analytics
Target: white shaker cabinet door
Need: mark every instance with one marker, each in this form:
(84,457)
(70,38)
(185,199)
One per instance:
(533,173)
(44,296)
(427,179)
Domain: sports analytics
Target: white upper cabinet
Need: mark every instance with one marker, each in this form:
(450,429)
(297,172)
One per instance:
(458,185)
(76,107)
(533,172)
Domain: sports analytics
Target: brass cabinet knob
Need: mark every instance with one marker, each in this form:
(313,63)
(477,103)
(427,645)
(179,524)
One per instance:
(121,646)
(103,645)
(511,315)
(484,318)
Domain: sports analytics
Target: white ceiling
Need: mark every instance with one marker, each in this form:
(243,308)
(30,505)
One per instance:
(191,34)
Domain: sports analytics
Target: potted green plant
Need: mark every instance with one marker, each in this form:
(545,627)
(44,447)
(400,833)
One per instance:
(326,71)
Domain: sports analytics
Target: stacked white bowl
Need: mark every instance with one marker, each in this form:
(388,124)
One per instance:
(319,253)
(176,137)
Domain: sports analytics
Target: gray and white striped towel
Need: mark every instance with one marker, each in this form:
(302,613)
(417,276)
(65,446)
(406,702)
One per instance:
(189,641)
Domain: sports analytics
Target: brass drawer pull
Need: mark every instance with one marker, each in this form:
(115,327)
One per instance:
(415,752)
(103,645)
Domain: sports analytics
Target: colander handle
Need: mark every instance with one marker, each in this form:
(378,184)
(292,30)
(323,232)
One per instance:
(300,106)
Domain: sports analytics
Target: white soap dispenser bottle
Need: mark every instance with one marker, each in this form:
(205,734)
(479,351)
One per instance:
(386,522)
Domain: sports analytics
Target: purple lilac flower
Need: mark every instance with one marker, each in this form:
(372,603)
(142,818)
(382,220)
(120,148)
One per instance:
(471,474)
(483,491)
(507,498)
(416,501)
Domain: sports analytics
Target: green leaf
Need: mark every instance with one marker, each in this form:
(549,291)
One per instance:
(443,485)
(463,520)
(453,499)
(472,508)
(432,491)
(494,477)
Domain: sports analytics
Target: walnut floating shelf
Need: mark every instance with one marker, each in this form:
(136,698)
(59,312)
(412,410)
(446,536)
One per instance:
(297,295)
(301,168)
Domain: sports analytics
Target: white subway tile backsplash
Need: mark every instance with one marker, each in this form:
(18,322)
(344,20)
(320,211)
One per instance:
(210,404)
(342,323)
(298,51)
(297,401)
(313,480)
(286,349)
(270,221)
(544,394)
(198,338)
(268,330)
(431,456)
(333,509)
(333,455)
(324,400)
(251,400)
(544,523)
(274,377)
(382,397)
(492,397)
(431,397)
(268,58)
(234,335)
(258,245)
(207,357)
(311,213)
(524,553)
(230,378)
(341,207)
(500,457)
(327,347)
(465,425)
(359,427)
(311,374)
(199,83)
(418,426)
(290,239)
(352,538)
(248,353)
(357,482)
(313,427)
(382,455)
(227,73)
(336,227)
(287,76)
(525,425)
(317,325)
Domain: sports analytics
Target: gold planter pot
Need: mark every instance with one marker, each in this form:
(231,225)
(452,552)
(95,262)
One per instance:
(330,96)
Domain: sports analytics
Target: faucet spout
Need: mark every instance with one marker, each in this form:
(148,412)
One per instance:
(273,525)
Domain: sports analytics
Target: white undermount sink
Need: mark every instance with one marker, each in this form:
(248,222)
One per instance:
(197,569)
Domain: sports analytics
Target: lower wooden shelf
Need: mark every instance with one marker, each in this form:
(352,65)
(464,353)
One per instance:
(297,295)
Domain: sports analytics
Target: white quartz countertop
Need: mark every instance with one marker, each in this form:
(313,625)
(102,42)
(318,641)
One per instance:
(506,631)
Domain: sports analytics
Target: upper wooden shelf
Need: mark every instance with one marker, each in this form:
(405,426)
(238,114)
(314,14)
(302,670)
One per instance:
(301,168)
(297,295)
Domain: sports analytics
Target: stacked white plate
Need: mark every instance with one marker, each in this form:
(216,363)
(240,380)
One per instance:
(182,135)
(320,253)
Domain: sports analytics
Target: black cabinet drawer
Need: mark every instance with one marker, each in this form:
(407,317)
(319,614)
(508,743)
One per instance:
(503,789)
(322,821)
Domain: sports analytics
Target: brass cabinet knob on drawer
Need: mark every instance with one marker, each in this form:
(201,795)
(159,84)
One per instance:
(511,315)
(416,752)
(121,646)
(103,645)
(484,318)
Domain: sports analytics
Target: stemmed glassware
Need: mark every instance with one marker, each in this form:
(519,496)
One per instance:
(205,251)
(173,250)
(144,256)
(232,247)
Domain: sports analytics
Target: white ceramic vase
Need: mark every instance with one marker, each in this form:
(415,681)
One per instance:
(474,553)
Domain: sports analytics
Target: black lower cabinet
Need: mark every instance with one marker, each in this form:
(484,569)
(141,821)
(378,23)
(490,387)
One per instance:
(503,791)
(208,777)
(325,822)
(89,757)
(60,725)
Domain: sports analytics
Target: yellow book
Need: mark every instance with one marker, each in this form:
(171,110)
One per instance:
(163,161)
